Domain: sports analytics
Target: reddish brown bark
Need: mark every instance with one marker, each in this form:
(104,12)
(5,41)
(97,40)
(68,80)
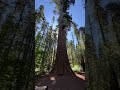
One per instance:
(62,65)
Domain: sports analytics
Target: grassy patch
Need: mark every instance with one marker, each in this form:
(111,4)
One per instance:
(76,68)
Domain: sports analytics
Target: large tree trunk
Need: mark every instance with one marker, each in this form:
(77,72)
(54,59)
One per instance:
(61,66)
(117,36)
(102,64)
(17,45)
(113,80)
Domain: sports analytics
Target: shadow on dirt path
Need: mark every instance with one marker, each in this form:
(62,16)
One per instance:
(61,82)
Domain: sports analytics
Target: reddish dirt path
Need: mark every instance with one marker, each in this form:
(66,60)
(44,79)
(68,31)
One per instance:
(80,75)
(62,82)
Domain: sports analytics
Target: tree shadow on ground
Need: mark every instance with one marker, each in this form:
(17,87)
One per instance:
(61,82)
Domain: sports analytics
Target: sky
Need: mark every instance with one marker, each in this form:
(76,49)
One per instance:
(77,11)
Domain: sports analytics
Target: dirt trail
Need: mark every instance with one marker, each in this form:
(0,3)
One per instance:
(62,82)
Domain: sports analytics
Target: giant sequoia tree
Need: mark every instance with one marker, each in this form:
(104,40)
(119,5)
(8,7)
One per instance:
(102,45)
(62,66)
(16,44)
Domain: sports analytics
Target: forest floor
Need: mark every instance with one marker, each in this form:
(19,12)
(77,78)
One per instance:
(61,82)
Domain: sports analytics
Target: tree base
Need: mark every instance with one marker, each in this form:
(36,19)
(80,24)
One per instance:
(62,69)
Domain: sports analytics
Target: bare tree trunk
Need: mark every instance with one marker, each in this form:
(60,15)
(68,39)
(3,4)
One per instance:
(18,53)
(61,66)
(91,31)
(98,17)
(113,79)
(115,29)
(97,67)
